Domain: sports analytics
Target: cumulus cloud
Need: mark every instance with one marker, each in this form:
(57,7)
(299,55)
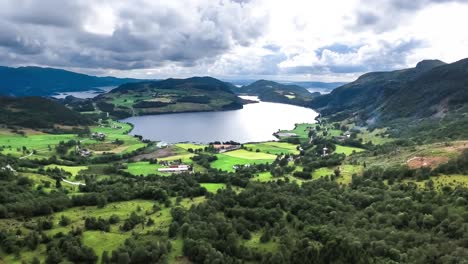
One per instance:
(384,15)
(146,34)
(295,40)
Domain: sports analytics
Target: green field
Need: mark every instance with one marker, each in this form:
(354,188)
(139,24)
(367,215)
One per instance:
(213,187)
(13,143)
(275,148)
(322,172)
(144,168)
(44,144)
(244,154)
(263,177)
(115,130)
(227,160)
(301,130)
(377,136)
(347,172)
(443,180)
(73,170)
(347,150)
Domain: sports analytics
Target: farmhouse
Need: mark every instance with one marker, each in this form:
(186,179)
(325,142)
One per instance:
(176,168)
(236,167)
(84,153)
(98,136)
(8,168)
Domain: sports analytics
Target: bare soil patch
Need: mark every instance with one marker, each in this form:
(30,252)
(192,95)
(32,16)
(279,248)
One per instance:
(160,153)
(432,162)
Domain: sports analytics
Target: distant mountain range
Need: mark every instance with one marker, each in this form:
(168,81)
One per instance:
(37,81)
(270,91)
(432,89)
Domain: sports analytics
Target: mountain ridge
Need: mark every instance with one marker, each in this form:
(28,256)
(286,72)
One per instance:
(45,81)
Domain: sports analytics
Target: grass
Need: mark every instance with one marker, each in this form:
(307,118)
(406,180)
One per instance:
(255,244)
(14,143)
(116,131)
(226,162)
(322,172)
(244,154)
(302,130)
(452,180)
(273,147)
(213,187)
(347,150)
(144,168)
(103,241)
(347,172)
(377,136)
(73,170)
(263,177)
(44,144)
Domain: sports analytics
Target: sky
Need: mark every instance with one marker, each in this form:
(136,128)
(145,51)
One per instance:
(297,40)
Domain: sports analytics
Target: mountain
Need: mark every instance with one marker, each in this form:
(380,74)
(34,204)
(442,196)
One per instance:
(322,87)
(37,81)
(271,91)
(432,89)
(37,112)
(169,96)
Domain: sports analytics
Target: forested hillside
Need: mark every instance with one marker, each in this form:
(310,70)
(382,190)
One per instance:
(31,81)
(169,96)
(37,112)
(431,92)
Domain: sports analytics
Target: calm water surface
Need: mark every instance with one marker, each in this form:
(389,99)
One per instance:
(85,94)
(255,122)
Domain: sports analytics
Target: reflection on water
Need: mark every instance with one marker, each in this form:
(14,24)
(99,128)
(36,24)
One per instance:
(255,122)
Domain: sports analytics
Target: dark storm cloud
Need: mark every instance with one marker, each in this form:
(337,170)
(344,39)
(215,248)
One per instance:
(45,12)
(54,33)
(384,15)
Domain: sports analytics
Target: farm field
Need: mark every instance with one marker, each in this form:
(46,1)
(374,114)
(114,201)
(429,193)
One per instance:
(144,168)
(44,144)
(115,131)
(13,143)
(227,160)
(273,147)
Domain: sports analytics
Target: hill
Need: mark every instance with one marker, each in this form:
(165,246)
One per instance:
(431,90)
(37,81)
(169,96)
(271,91)
(37,112)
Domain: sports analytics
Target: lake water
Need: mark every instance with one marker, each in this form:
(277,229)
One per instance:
(254,123)
(85,94)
